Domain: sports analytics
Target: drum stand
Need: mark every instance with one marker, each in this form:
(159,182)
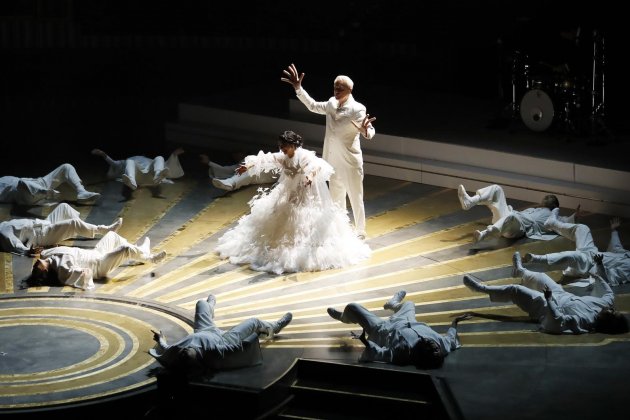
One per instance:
(598,108)
(519,66)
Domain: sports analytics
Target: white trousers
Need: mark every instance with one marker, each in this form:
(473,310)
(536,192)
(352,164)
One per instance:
(580,260)
(32,190)
(65,223)
(138,177)
(349,181)
(115,250)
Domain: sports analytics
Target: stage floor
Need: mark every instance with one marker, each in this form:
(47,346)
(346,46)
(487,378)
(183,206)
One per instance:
(62,346)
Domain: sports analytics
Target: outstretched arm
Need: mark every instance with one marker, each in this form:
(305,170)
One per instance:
(459,318)
(615,242)
(574,218)
(99,152)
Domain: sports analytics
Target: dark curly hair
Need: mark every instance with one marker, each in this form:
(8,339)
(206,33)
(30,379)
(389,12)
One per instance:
(550,201)
(290,138)
(427,354)
(609,321)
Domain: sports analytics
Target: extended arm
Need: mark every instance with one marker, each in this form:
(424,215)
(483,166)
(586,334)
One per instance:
(99,152)
(615,242)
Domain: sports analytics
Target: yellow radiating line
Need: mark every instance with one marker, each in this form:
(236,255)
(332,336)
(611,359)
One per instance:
(198,265)
(229,315)
(143,211)
(207,285)
(185,272)
(220,213)
(6,273)
(414,212)
(462,265)
(447,294)
(444,318)
(414,247)
(376,186)
(520,338)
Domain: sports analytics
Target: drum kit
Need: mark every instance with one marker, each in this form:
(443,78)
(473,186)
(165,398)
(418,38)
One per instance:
(543,98)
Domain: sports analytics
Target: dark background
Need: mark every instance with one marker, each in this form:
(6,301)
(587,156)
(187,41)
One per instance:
(109,74)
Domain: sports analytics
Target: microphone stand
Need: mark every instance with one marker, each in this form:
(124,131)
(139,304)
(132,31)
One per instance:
(598,109)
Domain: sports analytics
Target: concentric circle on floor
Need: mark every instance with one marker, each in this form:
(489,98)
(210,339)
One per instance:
(65,350)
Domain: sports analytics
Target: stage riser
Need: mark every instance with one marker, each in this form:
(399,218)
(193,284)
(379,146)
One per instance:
(424,161)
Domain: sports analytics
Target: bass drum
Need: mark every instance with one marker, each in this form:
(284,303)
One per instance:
(537,110)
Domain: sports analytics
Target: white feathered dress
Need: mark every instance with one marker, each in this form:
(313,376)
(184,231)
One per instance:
(293,227)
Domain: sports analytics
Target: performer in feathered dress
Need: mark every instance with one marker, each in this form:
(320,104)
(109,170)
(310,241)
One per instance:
(294,226)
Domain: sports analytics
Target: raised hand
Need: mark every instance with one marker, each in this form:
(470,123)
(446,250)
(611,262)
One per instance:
(35,250)
(365,124)
(293,77)
(578,213)
(463,317)
(615,222)
(359,337)
(598,258)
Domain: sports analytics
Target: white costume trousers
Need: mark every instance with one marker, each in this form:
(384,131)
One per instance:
(580,260)
(349,181)
(115,250)
(65,223)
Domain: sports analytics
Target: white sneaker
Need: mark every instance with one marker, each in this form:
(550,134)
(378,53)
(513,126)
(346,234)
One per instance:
(212,302)
(334,314)
(160,176)
(87,196)
(222,185)
(517,265)
(114,227)
(464,199)
(473,284)
(282,322)
(156,258)
(128,182)
(396,300)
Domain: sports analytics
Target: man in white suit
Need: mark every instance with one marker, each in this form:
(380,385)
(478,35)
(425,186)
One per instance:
(346,121)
